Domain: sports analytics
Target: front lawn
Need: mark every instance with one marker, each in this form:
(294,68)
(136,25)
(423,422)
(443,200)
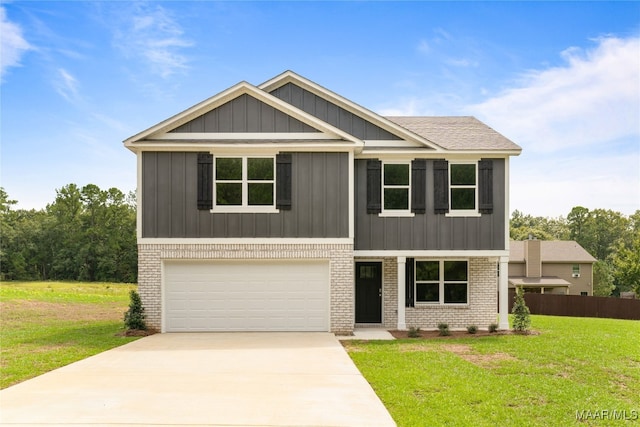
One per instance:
(46,325)
(575,368)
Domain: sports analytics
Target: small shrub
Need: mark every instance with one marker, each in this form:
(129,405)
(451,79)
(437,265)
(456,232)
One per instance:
(493,328)
(413,332)
(444,329)
(472,329)
(134,317)
(521,314)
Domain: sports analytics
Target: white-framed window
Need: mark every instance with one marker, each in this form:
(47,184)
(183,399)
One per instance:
(575,270)
(463,187)
(441,281)
(244,183)
(396,185)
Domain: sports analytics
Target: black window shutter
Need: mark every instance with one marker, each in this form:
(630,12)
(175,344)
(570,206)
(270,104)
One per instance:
(419,186)
(283,181)
(374,186)
(485,181)
(205,181)
(440,186)
(409,282)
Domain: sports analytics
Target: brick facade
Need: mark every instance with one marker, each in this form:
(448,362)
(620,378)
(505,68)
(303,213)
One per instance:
(340,256)
(481,310)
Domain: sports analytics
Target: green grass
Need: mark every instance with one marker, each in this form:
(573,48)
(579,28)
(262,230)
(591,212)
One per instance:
(46,325)
(574,364)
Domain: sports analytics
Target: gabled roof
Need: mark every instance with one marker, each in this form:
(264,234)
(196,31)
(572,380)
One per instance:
(161,129)
(456,133)
(437,134)
(552,251)
(384,123)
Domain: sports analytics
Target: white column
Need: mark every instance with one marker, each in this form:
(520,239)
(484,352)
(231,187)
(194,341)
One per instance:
(503,287)
(402,265)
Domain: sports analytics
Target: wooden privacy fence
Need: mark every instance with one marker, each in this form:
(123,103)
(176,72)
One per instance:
(580,306)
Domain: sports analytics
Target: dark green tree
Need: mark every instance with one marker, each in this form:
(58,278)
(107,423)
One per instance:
(521,314)
(134,316)
(603,283)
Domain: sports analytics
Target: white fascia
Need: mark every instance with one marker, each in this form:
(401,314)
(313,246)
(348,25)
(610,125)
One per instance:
(244,241)
(432,253)
(264,148)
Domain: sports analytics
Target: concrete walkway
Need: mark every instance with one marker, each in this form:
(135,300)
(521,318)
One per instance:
(230,379)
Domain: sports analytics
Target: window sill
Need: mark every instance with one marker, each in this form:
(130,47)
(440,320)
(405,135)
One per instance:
(462,214)
(245,209)
(396,214)
(423,305)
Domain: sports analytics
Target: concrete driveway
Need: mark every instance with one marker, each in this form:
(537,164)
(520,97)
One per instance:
(232,379)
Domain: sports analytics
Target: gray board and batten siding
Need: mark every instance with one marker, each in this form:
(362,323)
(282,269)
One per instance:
(245,114)
(430,231)
(320,201)
(331,113)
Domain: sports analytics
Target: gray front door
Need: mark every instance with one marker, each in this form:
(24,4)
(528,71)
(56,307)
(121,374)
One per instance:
(368,292)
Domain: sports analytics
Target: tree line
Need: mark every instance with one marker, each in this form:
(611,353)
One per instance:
(90,234)
(610,237)
(86,234)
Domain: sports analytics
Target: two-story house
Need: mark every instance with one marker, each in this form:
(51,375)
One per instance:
(287,207)
(551,267)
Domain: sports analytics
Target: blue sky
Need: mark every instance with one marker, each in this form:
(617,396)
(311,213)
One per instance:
(560,79)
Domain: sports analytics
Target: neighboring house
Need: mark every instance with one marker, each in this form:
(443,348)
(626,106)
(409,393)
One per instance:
(287,207)
(551,267)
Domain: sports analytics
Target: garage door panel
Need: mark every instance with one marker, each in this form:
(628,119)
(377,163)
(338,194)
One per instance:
(243,296)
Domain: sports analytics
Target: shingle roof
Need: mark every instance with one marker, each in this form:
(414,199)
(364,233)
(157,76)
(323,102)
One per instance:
(456,133)
(552,251)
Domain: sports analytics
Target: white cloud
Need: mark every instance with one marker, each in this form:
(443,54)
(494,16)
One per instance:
(594,98)
(551,185)
(579,126)
(150,32)
(13,45)
(66,85)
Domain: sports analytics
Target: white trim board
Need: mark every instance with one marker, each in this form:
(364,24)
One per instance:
(243,241)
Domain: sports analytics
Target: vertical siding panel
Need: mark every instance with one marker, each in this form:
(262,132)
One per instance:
(261,223)
(309,102)
(239,114)
(211,121)
(281,122)
(234,225)
(344,120)
(391,233)
(333,115)
(225,116)
(317,188)
(219,225)
(267,118)
(164,195)
(362,220)
(320,108)
(177,194)
(418,231)
(247,225)
(358,126)
(253,115)
(343,208)
(149,194)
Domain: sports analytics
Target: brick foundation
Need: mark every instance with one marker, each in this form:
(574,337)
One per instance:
(340,256)
(480,311)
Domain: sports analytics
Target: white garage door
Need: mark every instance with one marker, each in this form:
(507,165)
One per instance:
(246,296)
